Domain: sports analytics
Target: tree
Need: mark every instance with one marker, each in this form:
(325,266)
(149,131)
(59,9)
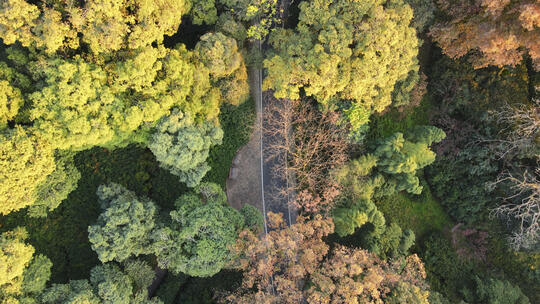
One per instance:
(124,227)
(221,57)
(292,264)
(308,144)
(15,256)
(201,229)
(521,208)
(181,146)
(104,26)
(57,186)
(203,11)
(493,291)
(401,157)
(253,219)
(22,275)
(493,32)
(83,104)
(424,13)
(25,162)
(332,52)
(108,284)
(11,99)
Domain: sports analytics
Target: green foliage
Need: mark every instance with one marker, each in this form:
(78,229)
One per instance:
(25,162)
(401,157)
(36,275)
(336,45)
(493,291)
(57,186)
(140,273)
(420,213)
(203,11)
(219,54)
(22,275)
(347,219)
(237,123)
(408,293)
(446,272)
(394,242)
(79,107)
(227,25)
(221,57)
(424,13)
(196,240)
(76,291)
(460,183)
(182,146)
(467,93)
(169,287)
(252,218)
(108,284)
(402,90)
(124,227)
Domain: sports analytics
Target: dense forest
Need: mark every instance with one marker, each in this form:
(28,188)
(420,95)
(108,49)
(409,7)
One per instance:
(407,131)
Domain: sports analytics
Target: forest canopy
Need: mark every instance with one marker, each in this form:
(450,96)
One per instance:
(269,152)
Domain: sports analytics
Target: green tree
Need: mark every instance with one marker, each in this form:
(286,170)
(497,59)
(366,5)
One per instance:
(124,227)
(408,293)
(57,186)
(332,53)
(220,55)
(76,291)
(424,13)
(181,145)
(83,104)
(203,11)
(108,284)
(401,157)
(493,291)
(201,229)
(25,162)
(36,275)
(252,218)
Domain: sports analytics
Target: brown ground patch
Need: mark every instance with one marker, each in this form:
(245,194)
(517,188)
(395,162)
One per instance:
(245,188)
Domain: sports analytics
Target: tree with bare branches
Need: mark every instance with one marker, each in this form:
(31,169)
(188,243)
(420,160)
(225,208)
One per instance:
(310,144)
(521,208)
(520,131)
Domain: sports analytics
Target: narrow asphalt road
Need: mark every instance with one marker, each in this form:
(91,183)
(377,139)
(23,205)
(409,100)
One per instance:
(273,186)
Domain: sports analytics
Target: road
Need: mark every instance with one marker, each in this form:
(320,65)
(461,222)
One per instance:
(273,186)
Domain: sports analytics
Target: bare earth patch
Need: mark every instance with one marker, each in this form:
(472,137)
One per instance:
(244,182)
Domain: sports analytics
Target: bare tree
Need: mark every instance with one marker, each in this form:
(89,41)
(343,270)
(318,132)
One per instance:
(308,144)
(520,133)
(522,208)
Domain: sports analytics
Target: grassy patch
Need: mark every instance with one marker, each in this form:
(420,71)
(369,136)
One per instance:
(420,213)
(237,123)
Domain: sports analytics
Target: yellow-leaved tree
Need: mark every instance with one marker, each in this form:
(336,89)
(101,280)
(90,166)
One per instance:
(344,50)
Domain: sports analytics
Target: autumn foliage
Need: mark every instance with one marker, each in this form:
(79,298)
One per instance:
(494,32)
(292,264)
